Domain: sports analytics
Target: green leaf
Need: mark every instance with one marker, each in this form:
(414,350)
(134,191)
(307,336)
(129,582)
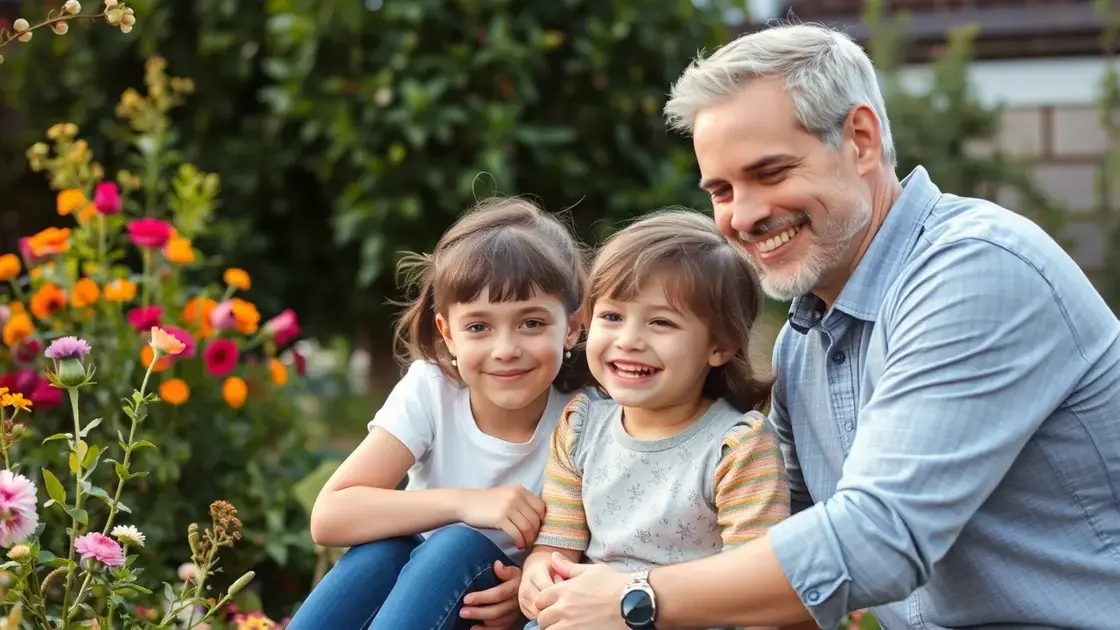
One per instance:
(54,487)
(58,436)
(79,514)
(89,427)
(89,462)
(169,593)
(142,444)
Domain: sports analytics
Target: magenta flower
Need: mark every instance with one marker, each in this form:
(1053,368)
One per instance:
(143,318)
(220,357)
(106,198)
(67,348)
(221,317)
(18,518)
(101,548)
(185,338)
(149,232)
(283,328)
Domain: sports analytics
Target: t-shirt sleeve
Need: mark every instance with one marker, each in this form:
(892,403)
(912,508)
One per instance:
(565,523)
(751,489)
(408,412)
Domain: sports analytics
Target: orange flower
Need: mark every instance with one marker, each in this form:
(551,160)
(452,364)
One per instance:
(69,200)
(146,356)
(245,316)
(174,391)
(120,290)
(9,267)
(49,242)
(17,328)
(237,278)
(165,342)
(178,250)
(14,400)
(234,391)
(86,213)
(84,293)
(48,301)
(278,372)
(196,315)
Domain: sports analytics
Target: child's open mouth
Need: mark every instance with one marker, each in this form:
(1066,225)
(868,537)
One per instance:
(632,371)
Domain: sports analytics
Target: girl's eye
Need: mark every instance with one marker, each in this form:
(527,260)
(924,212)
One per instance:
(662,322)
(476,328)
(534,323)
(610,317)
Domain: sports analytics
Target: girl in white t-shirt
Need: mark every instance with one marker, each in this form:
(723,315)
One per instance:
(490,341)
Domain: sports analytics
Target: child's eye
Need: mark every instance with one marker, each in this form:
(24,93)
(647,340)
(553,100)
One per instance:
(663,322)
(534,323)
(476,328)
(610,317)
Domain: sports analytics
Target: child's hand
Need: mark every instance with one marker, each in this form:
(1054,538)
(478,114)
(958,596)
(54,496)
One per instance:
(495,607)
(512,509)
(538,576)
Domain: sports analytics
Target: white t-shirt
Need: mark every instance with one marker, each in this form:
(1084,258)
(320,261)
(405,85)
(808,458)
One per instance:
(431,415)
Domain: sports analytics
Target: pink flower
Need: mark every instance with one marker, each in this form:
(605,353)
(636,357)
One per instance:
(67,348)
(184,338)
(26,350)
(149,232)
(283,328)
(220,357)
(143,318)
(5,313)
(18,518)
(29,257)
(221,317)
(106,198)
(101,548)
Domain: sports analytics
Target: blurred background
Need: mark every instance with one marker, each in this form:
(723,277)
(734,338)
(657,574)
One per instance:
(347,131)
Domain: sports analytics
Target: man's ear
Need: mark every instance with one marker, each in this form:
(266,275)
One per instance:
(445,331)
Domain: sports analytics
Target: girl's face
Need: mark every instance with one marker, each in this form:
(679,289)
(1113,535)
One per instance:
(647,354)
(508,353)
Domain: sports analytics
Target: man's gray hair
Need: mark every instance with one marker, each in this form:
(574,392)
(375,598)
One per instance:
(825,71)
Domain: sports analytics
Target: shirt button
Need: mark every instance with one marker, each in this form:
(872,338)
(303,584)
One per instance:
(812,596)
(839,357)
(849,426)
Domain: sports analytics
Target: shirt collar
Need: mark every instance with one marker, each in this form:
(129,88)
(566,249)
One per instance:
(863,293)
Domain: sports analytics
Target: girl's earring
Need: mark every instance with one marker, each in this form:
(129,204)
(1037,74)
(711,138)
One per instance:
(567,354)
(454,362)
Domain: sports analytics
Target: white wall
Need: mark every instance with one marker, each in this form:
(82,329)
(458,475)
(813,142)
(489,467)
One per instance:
(1027,82)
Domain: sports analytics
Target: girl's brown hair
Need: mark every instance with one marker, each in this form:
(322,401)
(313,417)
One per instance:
(703,274)
(507,246)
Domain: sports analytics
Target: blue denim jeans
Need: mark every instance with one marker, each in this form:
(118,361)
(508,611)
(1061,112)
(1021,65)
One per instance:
(406,583)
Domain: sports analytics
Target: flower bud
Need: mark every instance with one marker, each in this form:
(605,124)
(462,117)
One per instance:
(109,4)
(241,583)
(23,27)
(113,15)
(192,538)
(126,29)
(19,552)
(73,7)
(71,373)
(128,19)
(60,28)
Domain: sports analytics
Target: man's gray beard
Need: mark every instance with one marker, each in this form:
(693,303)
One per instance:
(826,251)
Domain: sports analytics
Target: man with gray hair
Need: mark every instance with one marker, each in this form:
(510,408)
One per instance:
(948,382)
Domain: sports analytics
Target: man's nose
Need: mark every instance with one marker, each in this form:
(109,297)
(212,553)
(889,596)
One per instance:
(747,213)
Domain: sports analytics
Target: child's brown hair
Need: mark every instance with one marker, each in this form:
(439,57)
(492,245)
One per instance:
(508,246)
(705,275)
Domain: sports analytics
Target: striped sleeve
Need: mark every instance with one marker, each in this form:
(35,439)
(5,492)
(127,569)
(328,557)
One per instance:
(565,523)
(751,490)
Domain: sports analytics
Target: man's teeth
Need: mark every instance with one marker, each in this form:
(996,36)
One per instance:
(778,239)
(633,371)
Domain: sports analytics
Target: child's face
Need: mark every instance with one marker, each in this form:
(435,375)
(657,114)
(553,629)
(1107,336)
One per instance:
(508,352)
(647,354)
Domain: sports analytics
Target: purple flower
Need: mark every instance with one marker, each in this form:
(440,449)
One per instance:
(67,348)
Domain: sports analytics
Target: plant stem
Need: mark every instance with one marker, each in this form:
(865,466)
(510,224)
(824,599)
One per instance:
(4,438)
(62,18)
(128,448)
(147,256)
(77,503)
(81,591)
(101,248)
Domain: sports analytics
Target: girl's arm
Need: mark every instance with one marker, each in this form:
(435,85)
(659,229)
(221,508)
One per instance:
(360,503)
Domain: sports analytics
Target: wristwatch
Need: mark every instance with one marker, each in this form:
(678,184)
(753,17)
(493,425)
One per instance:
(639,604)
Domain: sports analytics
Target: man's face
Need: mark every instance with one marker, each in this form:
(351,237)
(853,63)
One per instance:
(797,206)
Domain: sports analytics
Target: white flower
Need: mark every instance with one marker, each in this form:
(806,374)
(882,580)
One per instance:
(128,535)
(73,7)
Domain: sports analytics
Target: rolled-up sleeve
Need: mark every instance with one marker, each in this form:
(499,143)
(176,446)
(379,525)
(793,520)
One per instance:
(979,352)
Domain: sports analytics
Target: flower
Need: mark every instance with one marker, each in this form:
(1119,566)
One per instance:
(106,198)
(49,242)
(19,552)
(99,547)
(278,372)
(196,314)
(235,391)
(26,350)
(120,290)
(174,391)
(149,232)
(147,355)
(67,348)
(187,572)
(179,251)
(144,318)
(166,342)
(84,293)
(69,200)
(221,316)
(246,318)
(220,357)
(9,267)
(5,313)
(15,400)
(18,518)
(283,328)
(17,328)
(128,535)
(47,301)
(237,278)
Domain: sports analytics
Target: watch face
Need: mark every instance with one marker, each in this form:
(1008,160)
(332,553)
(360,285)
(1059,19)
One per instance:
(637,608)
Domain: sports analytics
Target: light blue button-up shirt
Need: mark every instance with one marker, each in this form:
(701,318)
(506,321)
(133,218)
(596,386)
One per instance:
(951,429)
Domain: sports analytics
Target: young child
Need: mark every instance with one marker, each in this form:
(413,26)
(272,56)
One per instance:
(490,339)
(679,464)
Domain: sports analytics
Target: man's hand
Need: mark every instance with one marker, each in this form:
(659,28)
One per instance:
(496,607)
(587,597)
